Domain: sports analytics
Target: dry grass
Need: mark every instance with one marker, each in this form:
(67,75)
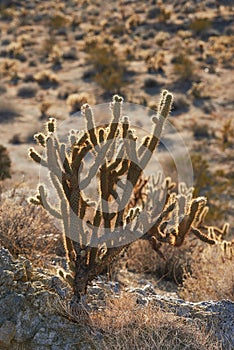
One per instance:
(28,230)
(141,259)
(124,324)
(207,277)
(46,79)
(212,277)
(75,101)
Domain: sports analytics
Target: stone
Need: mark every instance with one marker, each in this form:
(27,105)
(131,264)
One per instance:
(7,332)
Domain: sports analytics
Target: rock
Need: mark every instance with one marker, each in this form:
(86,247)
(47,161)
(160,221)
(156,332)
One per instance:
(7,332)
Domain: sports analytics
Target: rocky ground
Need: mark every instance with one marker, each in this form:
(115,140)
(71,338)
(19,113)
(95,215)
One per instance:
(35,313)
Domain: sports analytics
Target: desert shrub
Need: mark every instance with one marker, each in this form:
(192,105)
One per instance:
(70,54)
(28,231)
(210,278)
(16,139)
(8,111)
(15,50)
(227,135)
(76,100)
(3,89)
(27,90)
(198,90)
(8,67)
(153,12)
(124,324)
(213,185)
(202,176)
(183,66)
(55,56)
(48,45)
(150,83)
(168,265)
(44,107)
(200,131)
(181,104)
(58,20)
(165,14)
(109,66)
(6,13)
(161,38)
(206,278)
(5,163)
(199,25)
(155,62)
(46,79)
(118,29)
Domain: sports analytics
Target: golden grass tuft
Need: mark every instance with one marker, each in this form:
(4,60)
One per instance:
(76,100)
(124,324)
(29,231)
(46,79)
(212,277)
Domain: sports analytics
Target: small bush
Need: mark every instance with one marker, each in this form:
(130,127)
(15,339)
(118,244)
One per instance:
(199,25)
(5,164)
(3,89)
(109,67)
(75,101)
(227,135)
(48,45)
(46,79)
(150,83)
(181,104)
(8,112)
(209,281)
(124,324)
(58,21)
(28,231)
(44,107)
(16,139)
(15,50)
(27,91)
(183,66)
(200,131)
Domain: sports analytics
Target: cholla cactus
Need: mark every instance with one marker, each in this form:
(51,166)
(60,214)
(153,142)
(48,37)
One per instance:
(128,206)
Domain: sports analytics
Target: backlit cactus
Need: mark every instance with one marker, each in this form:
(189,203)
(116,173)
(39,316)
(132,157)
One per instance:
(128,207)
